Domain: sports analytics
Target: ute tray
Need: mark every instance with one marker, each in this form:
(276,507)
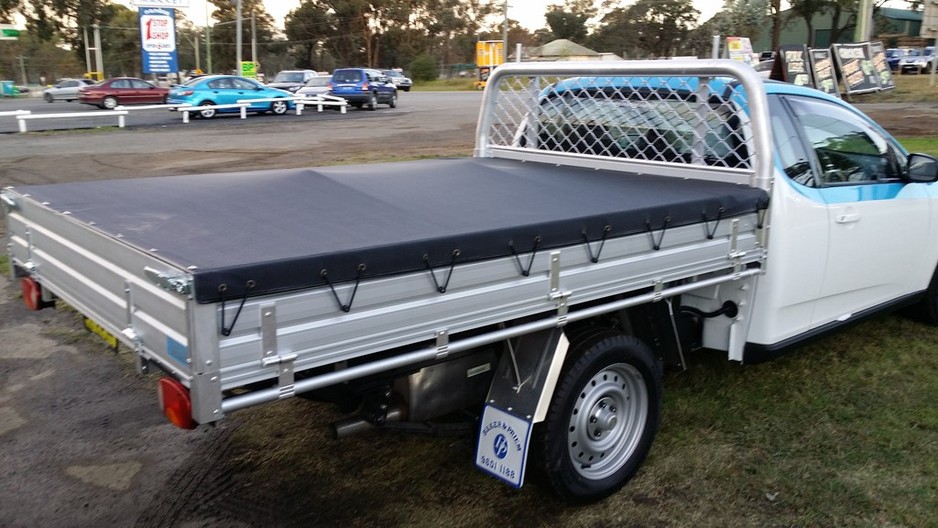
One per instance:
(292,229)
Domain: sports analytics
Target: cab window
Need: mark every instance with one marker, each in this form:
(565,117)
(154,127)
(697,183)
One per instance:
(848,149)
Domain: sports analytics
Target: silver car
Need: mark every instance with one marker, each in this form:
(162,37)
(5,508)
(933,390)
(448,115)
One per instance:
(401,81)
(65,90)
(318,85)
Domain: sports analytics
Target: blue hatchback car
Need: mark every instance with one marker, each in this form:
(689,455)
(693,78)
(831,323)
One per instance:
(363,87)
(212,90)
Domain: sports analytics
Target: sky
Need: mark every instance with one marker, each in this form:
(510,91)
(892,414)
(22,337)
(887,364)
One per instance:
(530,13)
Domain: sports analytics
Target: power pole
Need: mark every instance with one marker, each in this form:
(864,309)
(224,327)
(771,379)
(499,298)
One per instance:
(208,48)
(238,39)
(864,21)
(98,54)
(87,50)
(505,35)
(22,60)
(254,39)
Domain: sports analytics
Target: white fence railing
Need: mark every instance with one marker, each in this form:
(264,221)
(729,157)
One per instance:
(319,101)
(121,114)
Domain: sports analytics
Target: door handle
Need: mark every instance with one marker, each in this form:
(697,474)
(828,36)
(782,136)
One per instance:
(847,218)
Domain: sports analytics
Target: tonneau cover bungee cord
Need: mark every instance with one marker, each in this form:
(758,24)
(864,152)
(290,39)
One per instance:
(293,229)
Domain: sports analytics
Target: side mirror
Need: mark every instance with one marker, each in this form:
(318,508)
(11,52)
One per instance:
(922,168)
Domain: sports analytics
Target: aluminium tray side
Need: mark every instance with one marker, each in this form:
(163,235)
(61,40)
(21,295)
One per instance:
(408,309)
(103,279)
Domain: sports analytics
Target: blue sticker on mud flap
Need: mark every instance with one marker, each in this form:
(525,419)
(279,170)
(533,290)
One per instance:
(177,351)
(502,447)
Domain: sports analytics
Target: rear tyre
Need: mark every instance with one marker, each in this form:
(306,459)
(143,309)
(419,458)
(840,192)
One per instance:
(393,102)
(207,113)
(279,107)
(602,418)
(109,102)
(47,98)
(373,102)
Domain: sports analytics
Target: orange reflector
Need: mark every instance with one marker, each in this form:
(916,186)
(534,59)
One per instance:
(32,293)
(174,400)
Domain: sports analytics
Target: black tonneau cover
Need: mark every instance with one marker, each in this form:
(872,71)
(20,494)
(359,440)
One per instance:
(290,229)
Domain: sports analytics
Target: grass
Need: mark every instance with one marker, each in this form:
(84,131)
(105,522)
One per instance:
(920,144)
(842,432)
(446,85)
(909,89)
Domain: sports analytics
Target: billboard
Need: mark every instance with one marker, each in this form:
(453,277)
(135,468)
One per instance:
(490,53)
(158,40)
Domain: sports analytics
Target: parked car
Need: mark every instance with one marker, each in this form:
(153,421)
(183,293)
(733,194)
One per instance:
(65,90)
(318,85)
(894,54)
(292,80)
(363,87)
(918,61)
(122,91)
(212,90)
(401,81)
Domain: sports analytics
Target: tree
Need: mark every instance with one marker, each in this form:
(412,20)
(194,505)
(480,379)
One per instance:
(569,20)
(424,68)
(743,17)
(224,33)
(309,28)
(806,10)
(647,28)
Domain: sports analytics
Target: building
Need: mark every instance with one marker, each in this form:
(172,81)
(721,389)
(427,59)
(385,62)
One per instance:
(894,27)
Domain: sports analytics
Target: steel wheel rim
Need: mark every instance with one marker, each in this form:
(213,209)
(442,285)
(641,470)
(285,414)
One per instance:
(607,421)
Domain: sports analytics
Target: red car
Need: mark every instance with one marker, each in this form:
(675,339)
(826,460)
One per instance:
(122,91)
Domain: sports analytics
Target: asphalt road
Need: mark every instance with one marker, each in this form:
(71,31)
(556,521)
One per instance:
(409,102)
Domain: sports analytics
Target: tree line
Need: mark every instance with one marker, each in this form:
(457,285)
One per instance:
(420,36)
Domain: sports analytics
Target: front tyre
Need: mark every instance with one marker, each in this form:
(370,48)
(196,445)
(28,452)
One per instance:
(109,103)
(392,103)
(207,113)
(602,418)
(279,107)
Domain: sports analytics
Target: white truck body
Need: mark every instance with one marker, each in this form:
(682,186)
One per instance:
(732,253)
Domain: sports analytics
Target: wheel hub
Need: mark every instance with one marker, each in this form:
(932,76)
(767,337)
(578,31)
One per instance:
(603,418)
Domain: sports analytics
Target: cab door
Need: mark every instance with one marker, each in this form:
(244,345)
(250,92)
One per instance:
(878,225)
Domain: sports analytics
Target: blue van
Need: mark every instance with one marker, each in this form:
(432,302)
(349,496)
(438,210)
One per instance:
(363,87)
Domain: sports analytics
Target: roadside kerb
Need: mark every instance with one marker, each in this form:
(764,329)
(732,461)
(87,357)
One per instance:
(119,113)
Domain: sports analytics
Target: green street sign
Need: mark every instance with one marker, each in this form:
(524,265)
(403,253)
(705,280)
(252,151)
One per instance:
(8,32)
(249,69)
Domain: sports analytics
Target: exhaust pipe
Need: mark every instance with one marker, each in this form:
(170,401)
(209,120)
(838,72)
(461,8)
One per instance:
(356,424)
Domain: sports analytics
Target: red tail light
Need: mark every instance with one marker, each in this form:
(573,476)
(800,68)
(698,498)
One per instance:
(175,402)
(184,92)
(365,86)
(32,294)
